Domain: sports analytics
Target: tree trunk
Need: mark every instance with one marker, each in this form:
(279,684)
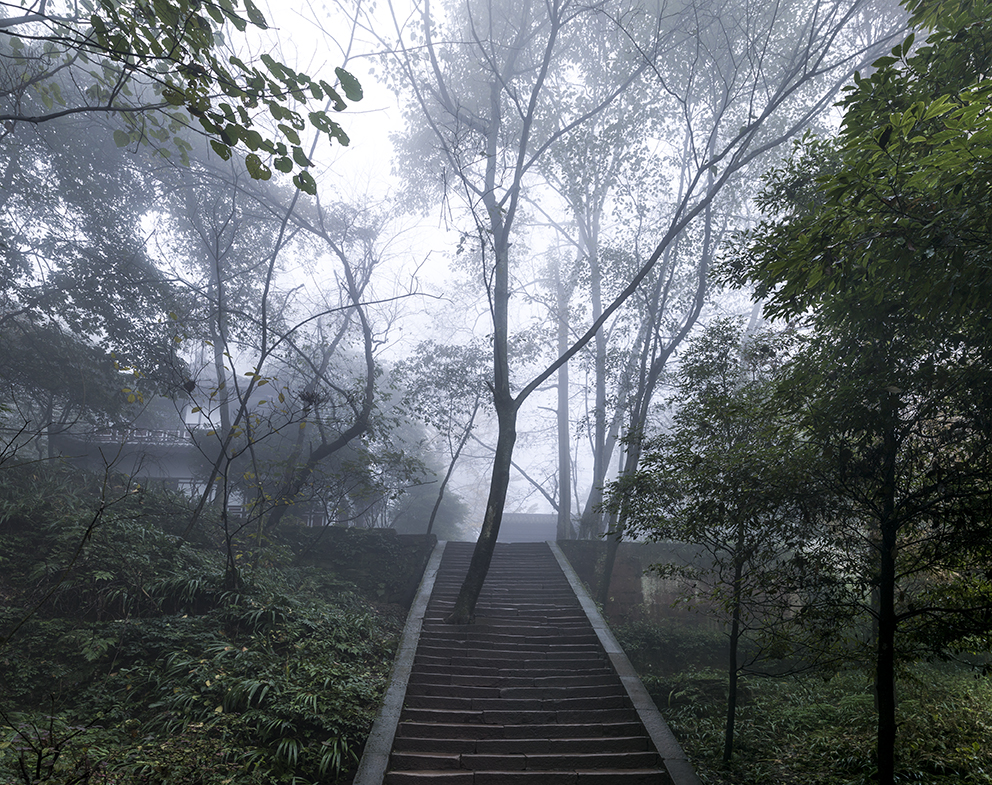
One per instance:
(650,373)
(887,622)
(733,674)
(503,401)
(451,465)
(464,610)
(564,530)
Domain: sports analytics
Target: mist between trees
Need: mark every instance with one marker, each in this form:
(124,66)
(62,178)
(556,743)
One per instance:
(181,267)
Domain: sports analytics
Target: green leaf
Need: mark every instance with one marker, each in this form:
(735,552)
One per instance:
(253,139)
(351,86)
(300,157)
(908,44)
(338,103)
(221,149)
(305,182)
(173,96)
(255,16)
(289,133)
(257,169)
(122,138)
(324,124)
(284,164)
(215,14)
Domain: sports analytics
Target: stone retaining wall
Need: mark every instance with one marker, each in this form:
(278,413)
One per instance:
(636,594)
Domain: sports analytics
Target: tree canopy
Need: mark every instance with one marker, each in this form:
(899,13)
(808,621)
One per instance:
(162,69)
(879,242)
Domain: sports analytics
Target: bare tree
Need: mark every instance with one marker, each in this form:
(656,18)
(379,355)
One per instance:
(479,84)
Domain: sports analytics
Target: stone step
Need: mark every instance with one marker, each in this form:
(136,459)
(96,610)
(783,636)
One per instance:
(522,666)
(518,649)
(456,703)
(409,728)
(652,776)
(442,677)
(437,761)
(447,689)
(547,670)
(510,634)
(496,716)
(599,744)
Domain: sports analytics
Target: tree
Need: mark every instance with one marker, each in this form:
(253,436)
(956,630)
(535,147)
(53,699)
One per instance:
(54,382)
(885,235)
(160,68)
(262,331)
(443,387)
(477,100)
(81,299)
(74,252)
(730,480)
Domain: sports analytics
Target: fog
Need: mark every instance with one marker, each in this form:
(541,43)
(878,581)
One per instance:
(522,185)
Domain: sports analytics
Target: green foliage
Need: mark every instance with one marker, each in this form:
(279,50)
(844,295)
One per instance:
(656,648)
(881,245)
(819,730)
(160,67)
(123,660)
(731,478)
(902,209)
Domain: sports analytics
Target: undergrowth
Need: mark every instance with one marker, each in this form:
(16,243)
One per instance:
(128,662)
(817,729)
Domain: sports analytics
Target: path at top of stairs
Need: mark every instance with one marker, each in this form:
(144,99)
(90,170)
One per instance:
(526,695)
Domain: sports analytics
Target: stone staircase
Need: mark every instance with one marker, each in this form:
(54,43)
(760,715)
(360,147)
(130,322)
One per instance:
(527,695)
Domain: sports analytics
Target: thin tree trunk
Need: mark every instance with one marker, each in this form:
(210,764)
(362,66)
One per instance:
(592,517)
(564,528)
(464,610)
(650,373)
(887,622)
(733,667)
(451,465)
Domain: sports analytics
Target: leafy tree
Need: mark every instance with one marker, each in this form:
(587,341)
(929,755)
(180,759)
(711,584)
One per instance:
(885,235)
(81,298)
(730,479)
(56,383)
(161,68)
(444,387)
(75,254)
(290,407)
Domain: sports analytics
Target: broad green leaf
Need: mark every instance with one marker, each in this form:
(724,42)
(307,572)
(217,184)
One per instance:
(338,102)
(215,14)
(351,86)
(257,169)
(122,138)
(300,157)
(255,16)
(221,149)
(305,182)
(290,134)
